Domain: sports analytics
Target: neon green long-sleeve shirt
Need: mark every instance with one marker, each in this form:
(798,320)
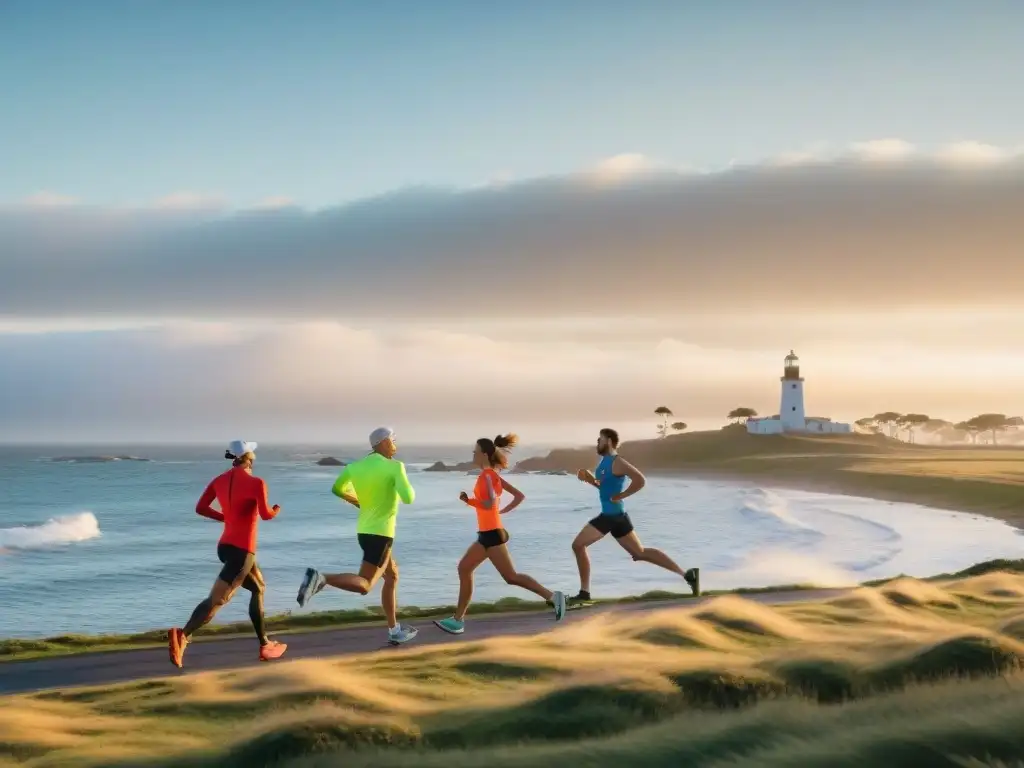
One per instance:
(378,484)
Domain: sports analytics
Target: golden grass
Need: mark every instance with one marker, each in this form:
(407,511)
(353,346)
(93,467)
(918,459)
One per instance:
(582,694)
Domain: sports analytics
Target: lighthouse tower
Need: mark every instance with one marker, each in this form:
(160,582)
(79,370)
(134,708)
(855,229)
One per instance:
(791,409)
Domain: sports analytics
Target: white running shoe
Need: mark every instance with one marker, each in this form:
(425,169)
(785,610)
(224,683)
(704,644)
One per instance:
(400,634)
(558,600)
(312,583)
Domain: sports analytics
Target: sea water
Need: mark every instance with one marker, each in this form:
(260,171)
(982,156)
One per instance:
(117,547)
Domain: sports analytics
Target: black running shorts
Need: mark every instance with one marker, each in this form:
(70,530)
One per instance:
(495,538)
(376,549)
(237,563)
(617,525)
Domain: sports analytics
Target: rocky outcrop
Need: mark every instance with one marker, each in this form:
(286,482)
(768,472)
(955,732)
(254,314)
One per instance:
(330,461)
(440,466)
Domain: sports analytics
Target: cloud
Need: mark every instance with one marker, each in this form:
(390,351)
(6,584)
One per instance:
(968,153)
(844,233)
(620,167)
(46,199)
(884,150)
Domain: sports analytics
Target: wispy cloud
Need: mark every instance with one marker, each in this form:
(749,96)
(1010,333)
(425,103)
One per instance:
(46,199)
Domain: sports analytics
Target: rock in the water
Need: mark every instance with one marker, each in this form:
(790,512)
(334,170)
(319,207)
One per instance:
(330,461)
(440,466)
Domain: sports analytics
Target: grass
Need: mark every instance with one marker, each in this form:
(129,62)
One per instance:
(988,481)
(15,649)
(907,673)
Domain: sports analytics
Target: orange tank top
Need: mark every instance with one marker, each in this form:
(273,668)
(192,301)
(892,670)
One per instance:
(487,519)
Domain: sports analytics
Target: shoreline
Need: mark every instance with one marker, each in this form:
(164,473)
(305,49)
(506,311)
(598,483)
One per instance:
(986,482)
(832,488)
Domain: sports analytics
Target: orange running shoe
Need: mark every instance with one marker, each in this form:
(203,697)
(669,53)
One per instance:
(176,643)
(272,650)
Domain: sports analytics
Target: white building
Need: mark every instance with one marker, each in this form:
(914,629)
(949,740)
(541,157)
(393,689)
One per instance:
(791,416)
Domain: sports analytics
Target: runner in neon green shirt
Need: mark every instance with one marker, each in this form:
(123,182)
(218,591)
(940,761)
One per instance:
(375,485)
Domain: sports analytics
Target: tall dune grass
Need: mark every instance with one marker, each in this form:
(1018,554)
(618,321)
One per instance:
(905,674)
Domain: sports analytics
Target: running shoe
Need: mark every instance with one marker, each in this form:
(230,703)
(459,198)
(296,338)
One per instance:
(176,643)
(581,597)
(692,577)
(451,625)
(312,583)
(272,650)
(400,634)
(558,598)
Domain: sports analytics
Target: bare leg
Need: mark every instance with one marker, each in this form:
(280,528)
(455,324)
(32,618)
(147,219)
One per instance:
(389,592)
(361,583)
(470,561)
(640,553)
(502,562)
(589,535)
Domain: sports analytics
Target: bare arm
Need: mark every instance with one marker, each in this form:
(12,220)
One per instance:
(517,497)
(403,487)
(203,507)
(636,478)
(586,476)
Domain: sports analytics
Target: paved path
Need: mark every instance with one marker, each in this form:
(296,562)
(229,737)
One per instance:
(122,666)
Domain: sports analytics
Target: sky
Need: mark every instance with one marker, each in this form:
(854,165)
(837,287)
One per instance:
(303,220)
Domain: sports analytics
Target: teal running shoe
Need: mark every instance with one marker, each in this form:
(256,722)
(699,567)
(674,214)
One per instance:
(451,625)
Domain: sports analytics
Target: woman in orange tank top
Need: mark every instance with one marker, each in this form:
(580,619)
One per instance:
(491,543)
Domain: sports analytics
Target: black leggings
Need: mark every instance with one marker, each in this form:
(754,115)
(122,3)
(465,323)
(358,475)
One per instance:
(206,610)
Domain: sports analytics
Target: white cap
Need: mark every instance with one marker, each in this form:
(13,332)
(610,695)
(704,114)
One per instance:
(379,435)
(241,447)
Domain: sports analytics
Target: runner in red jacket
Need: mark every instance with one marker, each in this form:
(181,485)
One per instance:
(242,499)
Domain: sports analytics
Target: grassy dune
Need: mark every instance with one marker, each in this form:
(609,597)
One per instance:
(989,481)
(908,673)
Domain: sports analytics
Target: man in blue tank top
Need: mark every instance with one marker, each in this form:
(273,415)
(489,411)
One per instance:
(610,479)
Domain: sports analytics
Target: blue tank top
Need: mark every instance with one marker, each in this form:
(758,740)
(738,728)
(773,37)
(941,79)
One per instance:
(609,485)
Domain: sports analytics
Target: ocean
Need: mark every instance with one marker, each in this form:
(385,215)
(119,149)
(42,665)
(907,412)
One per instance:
(117,547)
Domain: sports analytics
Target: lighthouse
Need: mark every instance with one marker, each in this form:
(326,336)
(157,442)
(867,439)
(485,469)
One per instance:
(791,407)
(792,417)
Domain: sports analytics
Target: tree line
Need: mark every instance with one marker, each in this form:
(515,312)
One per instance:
(908,425)
(892,423)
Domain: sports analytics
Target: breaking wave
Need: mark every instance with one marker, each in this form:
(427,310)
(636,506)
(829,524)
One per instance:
(772,511)
(54,532)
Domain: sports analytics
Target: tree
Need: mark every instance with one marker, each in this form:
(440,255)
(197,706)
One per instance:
(889,419)
(991,422)
(742,413)
(911,421)
(941,429)
(679,426)
(665,413)
(968,428)
(868,425)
